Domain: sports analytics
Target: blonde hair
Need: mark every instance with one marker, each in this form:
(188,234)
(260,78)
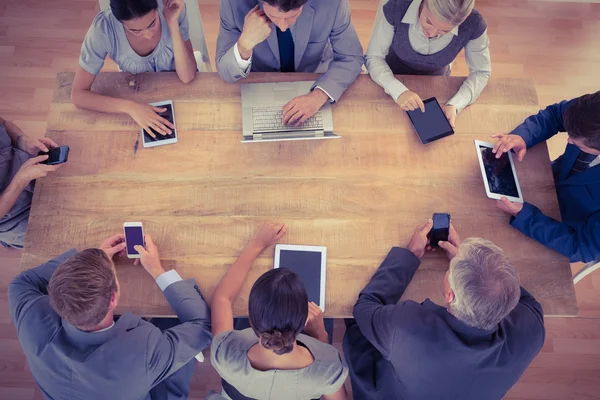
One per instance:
(454,12)
(486,286)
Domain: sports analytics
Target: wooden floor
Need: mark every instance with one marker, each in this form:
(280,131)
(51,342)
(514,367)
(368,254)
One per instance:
(554,43)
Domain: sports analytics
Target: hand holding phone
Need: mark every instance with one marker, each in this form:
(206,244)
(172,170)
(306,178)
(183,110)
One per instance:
(56,155)
(149,257)
(440,230)
(34,168)
(134,236)
(452,245)
(113,245)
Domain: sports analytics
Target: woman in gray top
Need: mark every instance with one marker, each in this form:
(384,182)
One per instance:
(272,359)
(140,36)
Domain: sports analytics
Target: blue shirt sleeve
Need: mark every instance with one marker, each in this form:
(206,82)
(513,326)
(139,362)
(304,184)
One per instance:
(545,124)
(96,45)
(581,244)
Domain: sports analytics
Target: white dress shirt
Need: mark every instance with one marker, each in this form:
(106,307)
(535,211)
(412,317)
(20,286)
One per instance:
(477,54)
(595,162)
(245,65)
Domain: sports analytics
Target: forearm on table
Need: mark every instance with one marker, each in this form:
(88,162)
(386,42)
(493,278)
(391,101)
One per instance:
(381,74)
(543,125)
(392,278)
(85,98)
(185,63)
(234,278)
(9,196)
(581,244)
(470,90)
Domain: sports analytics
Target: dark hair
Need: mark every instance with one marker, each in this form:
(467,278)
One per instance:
(125,10)
(286,5)
(277,309)
(81,288)
(582,120)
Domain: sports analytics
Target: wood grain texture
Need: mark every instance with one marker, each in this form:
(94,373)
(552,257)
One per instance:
(203,198)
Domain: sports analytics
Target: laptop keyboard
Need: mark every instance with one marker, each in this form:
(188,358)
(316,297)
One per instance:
(270,119)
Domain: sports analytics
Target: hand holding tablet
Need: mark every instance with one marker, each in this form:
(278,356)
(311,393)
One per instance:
(432,124)
(309,263)
(506,143)
(154,138)
(499,174)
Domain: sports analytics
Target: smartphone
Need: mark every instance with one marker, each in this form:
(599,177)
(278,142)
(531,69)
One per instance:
(56,155)
(134,235)
(440,230)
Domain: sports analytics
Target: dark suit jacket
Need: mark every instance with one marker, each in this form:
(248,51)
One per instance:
(578,235)
(124,362)
(426,353)
(323,30)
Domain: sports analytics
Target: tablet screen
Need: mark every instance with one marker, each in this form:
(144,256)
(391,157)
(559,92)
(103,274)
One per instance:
(499,173)
(168,115)
(431,124)
(307,264)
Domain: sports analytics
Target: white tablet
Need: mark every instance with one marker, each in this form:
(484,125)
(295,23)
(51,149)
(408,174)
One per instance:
(160,140)
(499,174)
(309,263)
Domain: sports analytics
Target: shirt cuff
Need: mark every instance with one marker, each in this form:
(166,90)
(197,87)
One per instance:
(520,221)
(243,64)
(166,279)
(331,99)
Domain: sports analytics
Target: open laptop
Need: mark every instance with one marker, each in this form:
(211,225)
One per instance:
(262,114)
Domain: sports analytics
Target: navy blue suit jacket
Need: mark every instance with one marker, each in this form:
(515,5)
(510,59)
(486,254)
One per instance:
(578,235)
(427,353)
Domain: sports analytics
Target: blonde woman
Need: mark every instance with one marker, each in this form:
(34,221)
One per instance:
(423,37)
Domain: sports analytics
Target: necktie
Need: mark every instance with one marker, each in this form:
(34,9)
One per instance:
(286,50)
(582,163)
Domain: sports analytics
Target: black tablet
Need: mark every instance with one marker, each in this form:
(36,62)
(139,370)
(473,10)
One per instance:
(432,124)
(309,263)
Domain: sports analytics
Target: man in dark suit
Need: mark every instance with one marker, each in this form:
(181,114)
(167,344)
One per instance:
(576,175)
(474,347)
(291,36)
(63,311)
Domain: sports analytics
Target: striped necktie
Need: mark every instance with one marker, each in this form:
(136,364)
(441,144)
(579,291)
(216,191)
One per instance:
(582,163)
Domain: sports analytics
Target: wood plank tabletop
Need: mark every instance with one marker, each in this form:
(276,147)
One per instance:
(203,198)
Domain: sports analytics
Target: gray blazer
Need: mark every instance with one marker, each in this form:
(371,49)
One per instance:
(322,34)
(124,362)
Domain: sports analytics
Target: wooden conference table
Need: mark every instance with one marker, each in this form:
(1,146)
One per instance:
(203,198)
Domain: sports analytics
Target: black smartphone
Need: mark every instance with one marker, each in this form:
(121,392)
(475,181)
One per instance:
(440,230)
(56,155)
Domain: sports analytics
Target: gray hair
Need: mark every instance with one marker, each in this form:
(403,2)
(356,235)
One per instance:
(453,12)
(485,284)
